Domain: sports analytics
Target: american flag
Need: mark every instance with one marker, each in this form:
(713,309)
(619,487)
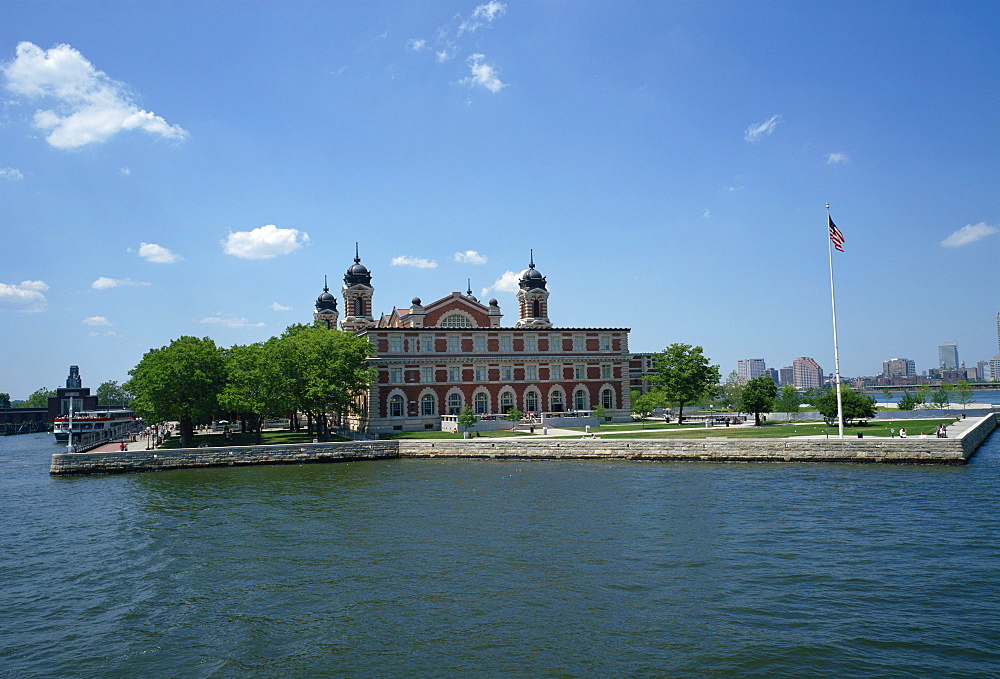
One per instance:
(836,237)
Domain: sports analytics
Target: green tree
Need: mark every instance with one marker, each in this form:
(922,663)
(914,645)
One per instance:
(599,412)
(111,393)
(908,401)
(4,400)
(514,415)
(788,401)
(758,397)
(257,384)
(38,399)
(732,392)
(923,394)
(180,381)
(811,394)
(964,394)
(683,375)
(888,394)
(942,397)
(327,372)
(467,419)
(644,404)
(857,405)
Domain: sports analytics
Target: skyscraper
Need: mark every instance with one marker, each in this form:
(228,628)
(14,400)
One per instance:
(749,368)
(807,373)
(899,367)
(948,356)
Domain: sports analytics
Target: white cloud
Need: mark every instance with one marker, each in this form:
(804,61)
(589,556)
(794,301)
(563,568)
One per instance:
(766,128)
(706,214)
(444,55)
(125,171)
(416,45)
(483,15)
(106,333)
(416,262)
(506,283)
(264,242)
(483,74)
(157,254)
(11,173)
(89,106)
(837,159)
(277,307)
(25,296)
(969,233)
(470,257)
(105,283)
(96,321)
(230,321)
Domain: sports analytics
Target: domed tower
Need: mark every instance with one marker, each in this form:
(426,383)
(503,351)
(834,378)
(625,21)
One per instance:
(326,308)
(357,293)
(533,298)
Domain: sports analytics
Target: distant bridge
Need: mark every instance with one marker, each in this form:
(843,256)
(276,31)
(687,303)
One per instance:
(976,386)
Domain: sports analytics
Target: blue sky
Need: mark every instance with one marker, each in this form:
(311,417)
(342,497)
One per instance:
(192,168)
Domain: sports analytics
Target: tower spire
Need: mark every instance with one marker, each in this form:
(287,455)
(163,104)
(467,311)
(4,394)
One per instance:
(357,258)
(326,287)
(531,261)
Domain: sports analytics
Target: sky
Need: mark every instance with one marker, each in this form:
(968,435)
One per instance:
(192,168)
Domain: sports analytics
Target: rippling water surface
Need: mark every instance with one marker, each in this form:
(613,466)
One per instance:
(453,568)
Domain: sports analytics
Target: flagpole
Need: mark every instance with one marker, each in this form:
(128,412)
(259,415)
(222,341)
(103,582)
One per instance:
(836,354)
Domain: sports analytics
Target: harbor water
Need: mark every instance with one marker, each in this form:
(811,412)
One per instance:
(444,568)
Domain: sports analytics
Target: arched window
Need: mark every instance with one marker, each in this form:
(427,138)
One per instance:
(580,400)
(536,308)
(456,321)
(454,404)
(482,404)
(427,405)
(506,402)
(556,402)
(359,306)
(395,406)
(531,401)
(607,399)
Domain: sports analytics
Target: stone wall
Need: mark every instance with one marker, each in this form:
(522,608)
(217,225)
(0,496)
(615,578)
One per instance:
(910,450)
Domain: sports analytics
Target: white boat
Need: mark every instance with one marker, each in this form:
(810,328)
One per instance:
(90,421)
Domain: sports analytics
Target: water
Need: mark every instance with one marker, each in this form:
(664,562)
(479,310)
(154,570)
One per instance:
(432,568)
(987,396)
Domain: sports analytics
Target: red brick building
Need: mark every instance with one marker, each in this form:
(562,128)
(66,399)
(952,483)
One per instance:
(437,359)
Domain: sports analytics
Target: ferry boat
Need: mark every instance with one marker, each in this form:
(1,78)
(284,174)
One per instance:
(90,421)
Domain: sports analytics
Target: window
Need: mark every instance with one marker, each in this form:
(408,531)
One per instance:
(605,372)
(395,375)
(395,406)
(536,308)
(555,342)
(428,344)
(578,372)
(556,402)
(454,344)
(427,405)
(395,344)
(359,307)
(454,404)
(607,399)
(605,342)
(479,344)
(480,373)
(427,374)
(456,321)
(506,401)
(454,374)
(505,343)
(482,404)
(555,372)
(531,401)
(580,400)
(578,343)
(531,372)
(506,374)
(531,343)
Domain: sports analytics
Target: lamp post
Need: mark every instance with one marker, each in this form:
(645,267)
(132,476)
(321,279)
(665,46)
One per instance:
(69,444)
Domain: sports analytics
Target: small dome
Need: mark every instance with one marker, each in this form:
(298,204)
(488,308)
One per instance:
(531,278)
(415,301)
(326,301)
(493,302)
(357,273)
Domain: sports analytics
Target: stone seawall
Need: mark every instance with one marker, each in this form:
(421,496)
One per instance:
(187,458)
(870,450)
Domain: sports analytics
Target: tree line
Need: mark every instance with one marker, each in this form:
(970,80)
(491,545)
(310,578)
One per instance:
(307,369)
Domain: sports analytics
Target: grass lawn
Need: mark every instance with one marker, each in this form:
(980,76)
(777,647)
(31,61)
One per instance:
(446,434)
(780,430)
(268,438)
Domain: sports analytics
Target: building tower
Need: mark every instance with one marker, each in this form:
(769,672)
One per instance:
(749,368)
(948,356)
(533,298)
(326,308)
(357,293)
(807,373)
(74,381)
